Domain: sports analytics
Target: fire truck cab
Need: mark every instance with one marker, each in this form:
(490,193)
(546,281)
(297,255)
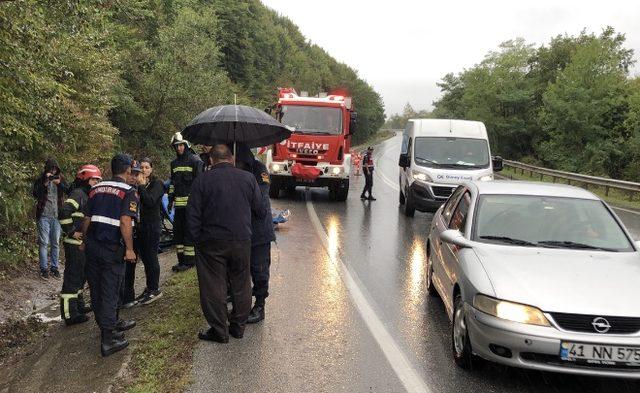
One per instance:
(317,153)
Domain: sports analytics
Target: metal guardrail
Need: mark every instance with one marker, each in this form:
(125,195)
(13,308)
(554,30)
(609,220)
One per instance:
(630,187)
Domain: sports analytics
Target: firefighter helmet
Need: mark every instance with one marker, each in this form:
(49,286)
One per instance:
(177,139)
(87,172)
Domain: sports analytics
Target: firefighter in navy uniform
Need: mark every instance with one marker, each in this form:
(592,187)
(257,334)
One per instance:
(261,238)
(262,234)
(72,306)
(108,242)
(367,170)
(184,169)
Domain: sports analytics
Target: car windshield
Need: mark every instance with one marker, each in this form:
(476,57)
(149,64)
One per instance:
(449,152)
(312,119)
(548,222)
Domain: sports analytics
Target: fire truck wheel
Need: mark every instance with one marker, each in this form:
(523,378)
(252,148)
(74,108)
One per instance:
(341,194)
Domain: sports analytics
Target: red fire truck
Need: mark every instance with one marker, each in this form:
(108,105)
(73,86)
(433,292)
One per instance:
(317,153)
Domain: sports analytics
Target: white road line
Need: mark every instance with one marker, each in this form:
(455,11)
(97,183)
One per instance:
(409,377)
(379,171)
(387,180)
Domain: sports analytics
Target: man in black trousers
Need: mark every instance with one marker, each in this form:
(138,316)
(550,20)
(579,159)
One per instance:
(219,213)
(108,230)
(367,169)
(262,234)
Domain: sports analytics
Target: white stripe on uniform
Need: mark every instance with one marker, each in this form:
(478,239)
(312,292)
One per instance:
(113,184)
(105,220)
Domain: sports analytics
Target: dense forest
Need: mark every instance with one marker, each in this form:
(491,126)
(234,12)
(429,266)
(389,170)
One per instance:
(570,104)
(81,79)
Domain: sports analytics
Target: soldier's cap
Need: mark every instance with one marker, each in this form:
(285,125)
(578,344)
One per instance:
(135,166)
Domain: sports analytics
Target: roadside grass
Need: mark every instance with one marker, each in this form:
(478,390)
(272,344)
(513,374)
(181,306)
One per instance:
(162,356)
(615,198)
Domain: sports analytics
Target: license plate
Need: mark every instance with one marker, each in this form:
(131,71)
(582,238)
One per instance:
(600,354)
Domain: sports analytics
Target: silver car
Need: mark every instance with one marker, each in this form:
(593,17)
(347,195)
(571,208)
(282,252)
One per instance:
(539,276)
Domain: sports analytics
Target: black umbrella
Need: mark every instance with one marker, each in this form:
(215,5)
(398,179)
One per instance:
(235,123)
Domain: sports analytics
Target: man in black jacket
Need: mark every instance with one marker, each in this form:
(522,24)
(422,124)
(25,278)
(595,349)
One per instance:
(219,213)
(49,189)
(184,170)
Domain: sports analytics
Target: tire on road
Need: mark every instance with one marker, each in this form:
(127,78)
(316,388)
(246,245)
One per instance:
(460,343)
(408,208)
(341,194)
(339,191)
(430,288)
(402,200)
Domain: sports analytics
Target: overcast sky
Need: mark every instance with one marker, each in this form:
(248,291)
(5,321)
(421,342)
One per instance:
(403,47)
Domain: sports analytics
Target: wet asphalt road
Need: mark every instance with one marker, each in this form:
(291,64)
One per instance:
(317,338)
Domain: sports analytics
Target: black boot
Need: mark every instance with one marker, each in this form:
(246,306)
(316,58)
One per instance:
(125,324)
(236,331)
(110,344)
(76,320)
(210,335)
(257,314)
(178,266)
(83,308)
(182,268)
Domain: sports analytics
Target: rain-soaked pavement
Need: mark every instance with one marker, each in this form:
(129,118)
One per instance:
(348,311)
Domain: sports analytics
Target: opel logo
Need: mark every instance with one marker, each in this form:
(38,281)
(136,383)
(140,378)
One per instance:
(601,325)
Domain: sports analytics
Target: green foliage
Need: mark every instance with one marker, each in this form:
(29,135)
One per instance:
(56,86)
(568,105)
(263,50)
(583,110)
(81,79)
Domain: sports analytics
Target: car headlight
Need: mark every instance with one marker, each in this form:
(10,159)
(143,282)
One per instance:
(420,176)
(510,311)
(336,170)
(276,167)
(486,178)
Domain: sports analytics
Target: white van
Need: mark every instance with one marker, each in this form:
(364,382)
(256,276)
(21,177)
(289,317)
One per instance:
(437,155)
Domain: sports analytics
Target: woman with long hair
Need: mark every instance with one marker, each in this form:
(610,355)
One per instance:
(151,190)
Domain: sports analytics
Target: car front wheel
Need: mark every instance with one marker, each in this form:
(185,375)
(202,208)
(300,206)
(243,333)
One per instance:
(431,289)
(460,343)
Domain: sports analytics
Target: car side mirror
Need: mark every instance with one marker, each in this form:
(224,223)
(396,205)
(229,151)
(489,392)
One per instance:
(497,163)
(404,161)
(456,238)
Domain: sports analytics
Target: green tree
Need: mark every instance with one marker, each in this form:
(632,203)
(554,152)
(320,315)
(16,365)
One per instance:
(57,84)
(585,108)
(497,92)
(632,130)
